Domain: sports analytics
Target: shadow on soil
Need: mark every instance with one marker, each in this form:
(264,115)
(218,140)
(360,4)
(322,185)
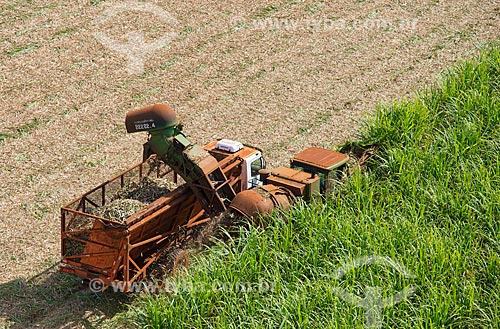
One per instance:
(56,300)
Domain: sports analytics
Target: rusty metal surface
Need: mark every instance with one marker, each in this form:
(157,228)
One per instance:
(321,158)
(262,200)
(251,203)
(293,175)
(297,188)
(300,183)
(160,115)
(281,196)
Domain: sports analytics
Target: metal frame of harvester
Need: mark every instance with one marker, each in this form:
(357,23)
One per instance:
(224,174)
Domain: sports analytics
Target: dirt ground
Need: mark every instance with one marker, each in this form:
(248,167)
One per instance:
(306,81)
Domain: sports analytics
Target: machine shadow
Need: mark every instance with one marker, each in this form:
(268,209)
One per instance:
(52,299)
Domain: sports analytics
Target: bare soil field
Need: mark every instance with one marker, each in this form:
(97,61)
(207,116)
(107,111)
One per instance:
(280,75)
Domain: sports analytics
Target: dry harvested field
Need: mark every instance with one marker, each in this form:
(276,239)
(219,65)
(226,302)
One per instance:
(306,81)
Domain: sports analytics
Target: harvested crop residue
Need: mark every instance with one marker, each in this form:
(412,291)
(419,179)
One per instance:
(147,191)
(119,209)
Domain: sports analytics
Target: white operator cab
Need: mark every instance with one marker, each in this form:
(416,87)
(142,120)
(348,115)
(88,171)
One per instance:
(253,161)
(253,164)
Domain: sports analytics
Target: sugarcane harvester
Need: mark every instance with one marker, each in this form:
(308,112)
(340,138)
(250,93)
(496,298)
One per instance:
(223,174)
(199,169)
